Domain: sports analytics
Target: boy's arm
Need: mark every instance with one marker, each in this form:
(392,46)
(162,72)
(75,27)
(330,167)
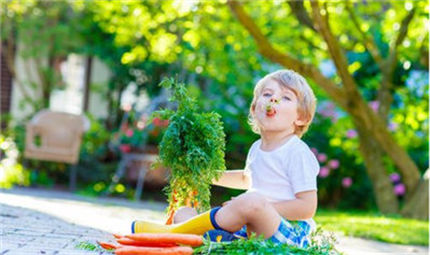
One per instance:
(301,208)
(235,179)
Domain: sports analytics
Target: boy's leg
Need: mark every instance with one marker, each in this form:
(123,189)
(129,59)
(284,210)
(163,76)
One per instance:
(184,213)
(249,209)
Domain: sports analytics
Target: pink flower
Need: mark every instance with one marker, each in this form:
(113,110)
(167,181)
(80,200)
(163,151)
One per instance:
(399,189)
(125,148)
(395,177)
(393,126)
(314,150)
(333,164)
(351,133)
(164,123)
(347,182)
(327,113)
(327,110)
(374,105)
(127,107)
(322,157)
(324,172)
(157,122)
(129,132)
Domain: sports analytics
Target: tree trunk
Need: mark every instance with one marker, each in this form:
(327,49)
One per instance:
(88,71)
(386,200)
(417,205)
(373,128)
(379,132)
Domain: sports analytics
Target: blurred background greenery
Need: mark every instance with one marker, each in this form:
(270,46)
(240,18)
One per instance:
(374,90)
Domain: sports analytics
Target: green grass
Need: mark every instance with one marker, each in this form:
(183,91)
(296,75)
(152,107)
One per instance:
(373,225)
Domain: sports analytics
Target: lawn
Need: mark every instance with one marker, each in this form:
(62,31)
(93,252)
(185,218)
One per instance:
(373,225)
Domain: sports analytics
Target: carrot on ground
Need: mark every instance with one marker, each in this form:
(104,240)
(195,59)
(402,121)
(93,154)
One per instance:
(117,236)
(108,246)
(135,250)
(147,243)
(184,239)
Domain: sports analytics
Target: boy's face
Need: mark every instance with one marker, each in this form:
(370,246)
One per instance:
(276,108)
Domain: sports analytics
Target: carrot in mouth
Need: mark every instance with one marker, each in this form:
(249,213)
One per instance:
(270,111)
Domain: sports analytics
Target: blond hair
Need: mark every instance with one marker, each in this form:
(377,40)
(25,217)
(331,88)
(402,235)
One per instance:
(306,101)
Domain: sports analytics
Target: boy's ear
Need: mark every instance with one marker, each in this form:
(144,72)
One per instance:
(301,120)
(253,108)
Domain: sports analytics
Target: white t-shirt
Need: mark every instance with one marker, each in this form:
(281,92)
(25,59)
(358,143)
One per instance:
(281,173)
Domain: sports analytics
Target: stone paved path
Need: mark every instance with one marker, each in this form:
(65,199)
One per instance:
(26,231)
(50,222)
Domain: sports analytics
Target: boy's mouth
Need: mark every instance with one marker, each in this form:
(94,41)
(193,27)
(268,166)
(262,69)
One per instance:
(270,111)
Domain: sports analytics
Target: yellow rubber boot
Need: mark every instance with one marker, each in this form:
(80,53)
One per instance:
(198,225)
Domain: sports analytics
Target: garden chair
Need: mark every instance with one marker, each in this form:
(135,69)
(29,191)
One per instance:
(56,136)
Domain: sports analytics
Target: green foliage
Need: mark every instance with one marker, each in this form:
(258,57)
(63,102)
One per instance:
(375,226)
(11,171)
(96,162)
(192,147)
(46,33)
(321,244)
(90,246)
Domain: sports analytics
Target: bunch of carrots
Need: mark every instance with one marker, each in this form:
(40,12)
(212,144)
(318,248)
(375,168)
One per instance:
(150,244)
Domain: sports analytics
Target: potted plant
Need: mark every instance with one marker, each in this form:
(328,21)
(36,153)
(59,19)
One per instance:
(138,138)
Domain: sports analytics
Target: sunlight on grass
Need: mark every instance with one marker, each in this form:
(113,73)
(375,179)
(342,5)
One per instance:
(371,225)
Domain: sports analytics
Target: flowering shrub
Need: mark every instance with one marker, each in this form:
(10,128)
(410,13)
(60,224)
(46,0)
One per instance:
(137,131)
(342,180)
(399,188)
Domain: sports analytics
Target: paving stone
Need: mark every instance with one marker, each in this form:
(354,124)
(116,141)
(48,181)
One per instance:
(32,251)
(24,231)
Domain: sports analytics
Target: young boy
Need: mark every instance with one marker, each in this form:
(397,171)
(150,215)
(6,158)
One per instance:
(280,172)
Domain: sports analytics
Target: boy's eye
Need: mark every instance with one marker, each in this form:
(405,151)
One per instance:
(286,98)
(267,94)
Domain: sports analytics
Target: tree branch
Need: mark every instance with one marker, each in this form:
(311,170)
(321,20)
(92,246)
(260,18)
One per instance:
(403,31)
(369,42)
(322,26)
(301,14)
(8,51)
(385,96)
(266,49)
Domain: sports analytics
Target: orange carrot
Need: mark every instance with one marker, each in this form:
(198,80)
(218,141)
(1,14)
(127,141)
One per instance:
(171,210)
(117,236)
(147,243)
(134,250)
(170,216)
(184,239)
(108,246)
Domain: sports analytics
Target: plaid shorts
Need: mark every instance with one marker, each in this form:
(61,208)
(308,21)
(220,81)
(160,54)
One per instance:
(290,232)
